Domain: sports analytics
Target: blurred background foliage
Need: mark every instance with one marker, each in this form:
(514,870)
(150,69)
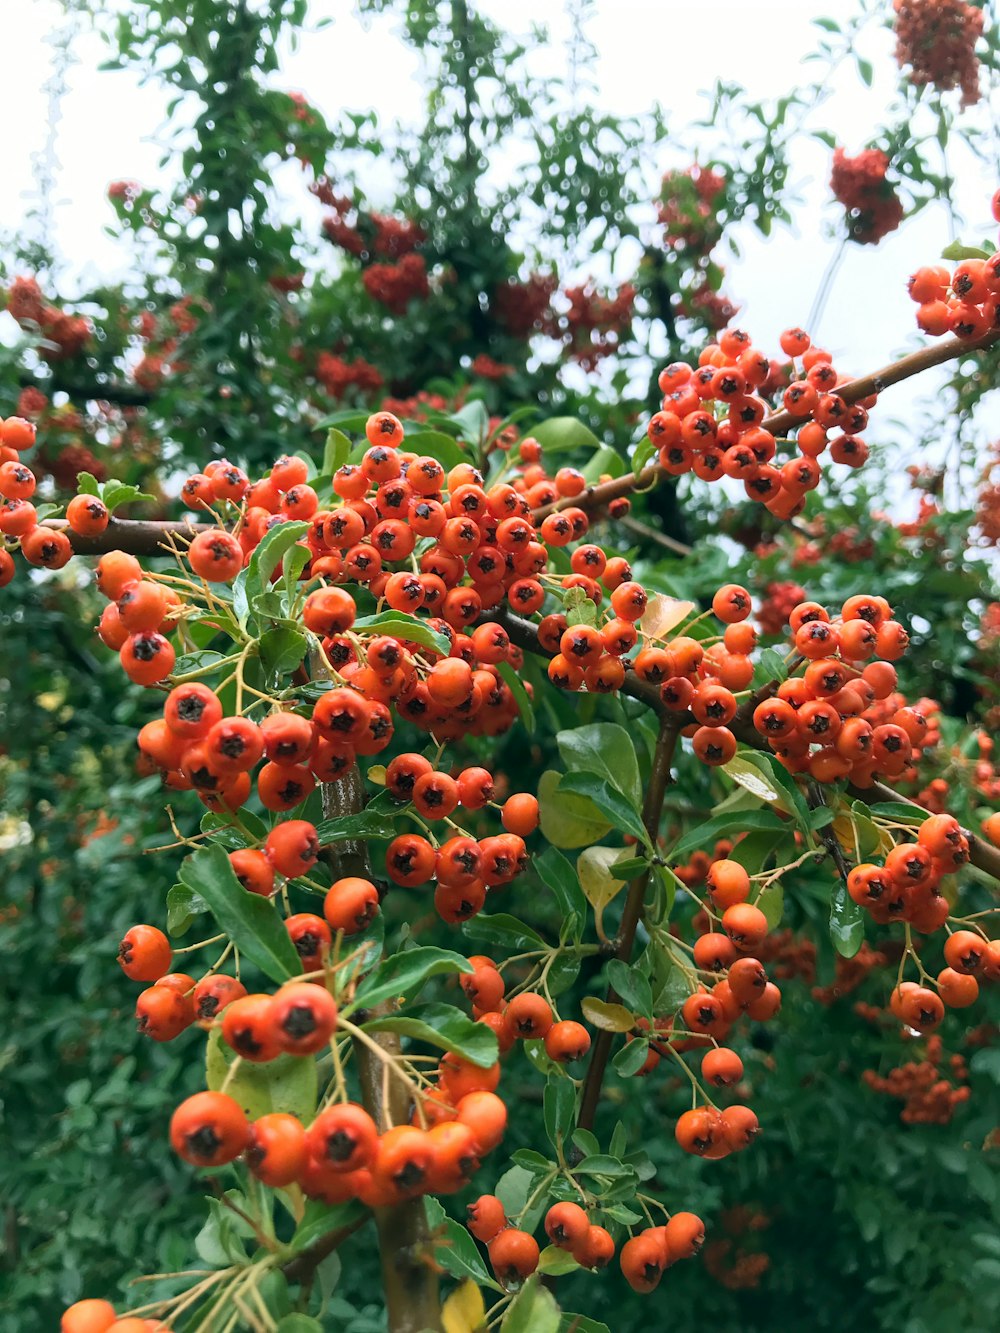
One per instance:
(251,317)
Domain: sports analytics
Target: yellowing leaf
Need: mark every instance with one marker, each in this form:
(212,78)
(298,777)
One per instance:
(610,1017)
(464,1311)
(597,877)
(664,614)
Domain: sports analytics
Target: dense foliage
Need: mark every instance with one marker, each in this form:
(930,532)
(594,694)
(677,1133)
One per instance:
(459,306)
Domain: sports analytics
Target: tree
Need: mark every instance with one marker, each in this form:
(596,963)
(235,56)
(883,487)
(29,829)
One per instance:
(682,749)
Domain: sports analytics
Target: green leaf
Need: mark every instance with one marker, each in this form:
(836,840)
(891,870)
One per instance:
(367,825)
(707,834)
(405,628)
(556,1262)
(643,452)
(606,749)
(521,696)
(86,484)
(287,1083)
(454,1248)
(269,554)
(605,462)
(337,451)
(771,902)
(533,1310)
(404,973)
(282,649)
(116,493)
(847,921)
(568,821)
(866,71)
(632,986)
(615,807)
(896,810)
(298,1323)
(436,444)
(579,1323)
(444,1026)
(769,781)
(557,874)
(183,905)
(250,921)
(772,665)
(558,1108)
(472,420)
(631,1058)
(958,250)
(562,433)
(319,1219)
(503,930)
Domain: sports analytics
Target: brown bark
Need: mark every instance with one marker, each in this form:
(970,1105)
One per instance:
(409,1275)
(659,780)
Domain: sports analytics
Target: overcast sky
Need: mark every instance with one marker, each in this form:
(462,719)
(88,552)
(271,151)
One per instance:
(110,128)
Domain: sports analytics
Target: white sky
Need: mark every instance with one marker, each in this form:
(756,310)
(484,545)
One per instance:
(110,128)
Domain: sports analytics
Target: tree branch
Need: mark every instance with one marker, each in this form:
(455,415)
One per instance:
(659,779)
(145,536)
(409,1276)
(596,497)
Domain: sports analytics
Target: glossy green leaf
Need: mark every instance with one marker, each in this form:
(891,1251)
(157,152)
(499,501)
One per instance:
(336,451)
(847,921)
(706,835)
(533,1310)
(268,555)
(521,696)
(631,986)
(454,1248)
(444,1026)
(557,874)
(504,931)
(250,921)
(436,444)
(405,628)
(616,808)
(404,973)
(607,1016)
(559,1108)
(561,433)
(319,1219)
(282,650)
(606,749)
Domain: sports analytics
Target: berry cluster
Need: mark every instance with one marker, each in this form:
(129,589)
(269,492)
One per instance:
(834,721)
(465,869)
(968,955)
(62,336)
(937,39)
(514,1253)
(338,376)
(341,1154)
(873,208)
(396,285)
(928,1097)
(963,302)
(712,415)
